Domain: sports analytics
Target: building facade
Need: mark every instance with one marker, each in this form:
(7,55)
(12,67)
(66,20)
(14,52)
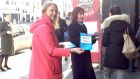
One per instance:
(19,9)
(64,6)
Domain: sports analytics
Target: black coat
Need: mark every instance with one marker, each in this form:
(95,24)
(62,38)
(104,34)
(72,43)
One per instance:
(113,41)
(81,64)
(7,47)
(138,36)
(60,32)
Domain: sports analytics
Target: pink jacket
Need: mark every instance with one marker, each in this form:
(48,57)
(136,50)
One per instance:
(46,54)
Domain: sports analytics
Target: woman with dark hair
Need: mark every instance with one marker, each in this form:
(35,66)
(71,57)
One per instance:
(81,64)
(7,48)
(114,27)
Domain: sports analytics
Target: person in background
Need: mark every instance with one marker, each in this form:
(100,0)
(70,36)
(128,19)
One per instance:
(46,54)
(81,64)
(32,18)
(7,48)
(68,21)
(68,18)
(114,27)
(0,19)
(23,19)
(60,28)
(37,18)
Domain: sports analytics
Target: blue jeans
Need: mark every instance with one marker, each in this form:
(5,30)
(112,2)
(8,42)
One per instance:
(108,73)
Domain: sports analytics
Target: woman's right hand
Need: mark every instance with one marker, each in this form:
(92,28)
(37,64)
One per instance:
(77,50)
(9,32)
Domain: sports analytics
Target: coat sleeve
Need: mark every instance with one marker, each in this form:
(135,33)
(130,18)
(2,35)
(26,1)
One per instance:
(46,38)
(132,34)
(2,30)
(72,35)
(106,36)
(138,36)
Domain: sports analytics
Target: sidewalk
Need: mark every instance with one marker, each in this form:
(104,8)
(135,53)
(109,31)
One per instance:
(20,68)
(132,75)
(99,73)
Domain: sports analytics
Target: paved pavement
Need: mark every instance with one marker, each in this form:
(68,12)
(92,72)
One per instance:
(20,66)
(21,62)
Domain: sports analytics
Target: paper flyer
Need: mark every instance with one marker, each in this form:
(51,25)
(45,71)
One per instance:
(85,41)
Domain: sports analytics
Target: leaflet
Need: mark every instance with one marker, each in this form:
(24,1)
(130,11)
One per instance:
(85,41)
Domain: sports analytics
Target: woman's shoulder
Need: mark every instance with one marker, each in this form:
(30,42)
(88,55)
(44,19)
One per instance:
(2,24)
(75,24)
(119,23)
(72,24)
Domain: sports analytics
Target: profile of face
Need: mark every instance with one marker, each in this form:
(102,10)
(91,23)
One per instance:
(80,16)
(7,18)
(52,12)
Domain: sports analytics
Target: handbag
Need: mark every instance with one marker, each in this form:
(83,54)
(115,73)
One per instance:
(129,48)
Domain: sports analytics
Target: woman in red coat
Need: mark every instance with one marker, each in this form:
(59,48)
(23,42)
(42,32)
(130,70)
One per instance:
(46,54)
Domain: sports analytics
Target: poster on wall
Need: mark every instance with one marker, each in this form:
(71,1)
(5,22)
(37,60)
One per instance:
(92,22)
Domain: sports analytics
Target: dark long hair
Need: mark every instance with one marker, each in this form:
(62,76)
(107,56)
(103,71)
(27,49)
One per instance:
(115,10)
(75,12)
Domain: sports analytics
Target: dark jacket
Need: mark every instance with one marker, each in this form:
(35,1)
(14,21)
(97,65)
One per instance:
(138,36)
(113,41)
(60,32)
(7,47)
(137,60)
(81,64)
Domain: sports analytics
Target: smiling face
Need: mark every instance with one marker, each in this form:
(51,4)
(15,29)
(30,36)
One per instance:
(80,16)
(51,12)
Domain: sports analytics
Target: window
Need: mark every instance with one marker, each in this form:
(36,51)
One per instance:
(27,4)
(7,2)
(13,2)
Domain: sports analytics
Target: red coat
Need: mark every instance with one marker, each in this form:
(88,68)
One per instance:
(46,56)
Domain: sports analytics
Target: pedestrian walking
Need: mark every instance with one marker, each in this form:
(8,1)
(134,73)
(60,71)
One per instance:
(81,64)
(46,54)
(114,27)
(7,48)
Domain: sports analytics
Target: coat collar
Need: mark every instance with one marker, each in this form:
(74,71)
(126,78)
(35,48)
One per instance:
(107,21)
(46,20)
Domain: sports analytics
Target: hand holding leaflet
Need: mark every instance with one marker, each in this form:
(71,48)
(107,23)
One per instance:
(85,41)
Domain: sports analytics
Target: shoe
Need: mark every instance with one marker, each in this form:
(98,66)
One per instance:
(8,68)
(2,69)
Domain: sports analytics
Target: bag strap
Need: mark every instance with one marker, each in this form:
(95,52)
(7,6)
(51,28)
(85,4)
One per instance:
(126,31)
